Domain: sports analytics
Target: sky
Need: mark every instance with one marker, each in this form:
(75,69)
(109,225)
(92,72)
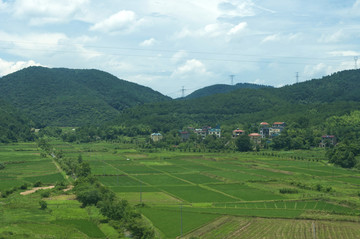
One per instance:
(170,45)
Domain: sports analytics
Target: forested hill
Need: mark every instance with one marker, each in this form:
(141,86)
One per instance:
(313,101)
(66,97)
(222,88)
(13,126)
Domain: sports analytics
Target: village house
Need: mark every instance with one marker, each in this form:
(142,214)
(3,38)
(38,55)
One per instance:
(156,137)
(269,132)
(237,132)
(327,141)
(207,130)
(255,138)
(215,131)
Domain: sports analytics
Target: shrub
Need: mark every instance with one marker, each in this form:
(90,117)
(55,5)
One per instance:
(38,184)
(288,190)
(43,205)
(45,194)
(2,166)
(24,186)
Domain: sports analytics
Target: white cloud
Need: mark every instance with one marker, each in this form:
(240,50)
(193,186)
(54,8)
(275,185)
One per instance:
(192,69)
(192,66)
(29,45)
(148,42)
(271,38)
(344,53)
(41,12)
(333,37)
(238,28)
(178,56)
(3,5)
(235,8)
(122,21)
(322,69)
(7,67)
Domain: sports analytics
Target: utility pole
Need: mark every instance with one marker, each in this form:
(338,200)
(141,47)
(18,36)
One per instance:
(183,92)
(232,79)
(297,77)
(356,59)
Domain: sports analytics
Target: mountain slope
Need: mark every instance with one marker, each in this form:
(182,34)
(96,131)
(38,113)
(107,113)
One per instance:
(314,100)
(66,97)
(13,126)
(222,88)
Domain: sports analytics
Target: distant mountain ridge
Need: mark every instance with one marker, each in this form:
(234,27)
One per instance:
(311,101)
(72,97)
(223,88)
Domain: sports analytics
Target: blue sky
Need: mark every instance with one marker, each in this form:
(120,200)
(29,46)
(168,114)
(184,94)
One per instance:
(168,44)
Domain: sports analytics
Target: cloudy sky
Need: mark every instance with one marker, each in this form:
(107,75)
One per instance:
(168,44)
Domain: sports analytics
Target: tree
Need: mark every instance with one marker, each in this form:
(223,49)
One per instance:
(243,143)
(88,195)
(343,155)
(43,205)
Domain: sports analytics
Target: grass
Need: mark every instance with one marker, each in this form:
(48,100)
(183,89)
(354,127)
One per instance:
(224,195)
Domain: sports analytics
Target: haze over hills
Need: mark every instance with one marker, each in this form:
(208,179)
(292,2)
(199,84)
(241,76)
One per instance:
(222,88)
(66,97)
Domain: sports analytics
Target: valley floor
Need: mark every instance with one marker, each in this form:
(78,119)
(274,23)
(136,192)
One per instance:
(184,194)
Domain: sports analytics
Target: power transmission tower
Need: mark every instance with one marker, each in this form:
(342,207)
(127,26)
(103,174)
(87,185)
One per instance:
(356,59)
(297,77)
(232,79)
(182,92)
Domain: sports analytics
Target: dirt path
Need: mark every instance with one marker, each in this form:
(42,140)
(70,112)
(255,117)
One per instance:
(35,189)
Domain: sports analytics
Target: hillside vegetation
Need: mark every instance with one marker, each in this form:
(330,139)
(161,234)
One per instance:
(222,88)
(65,97)
(13,126)
(314,100)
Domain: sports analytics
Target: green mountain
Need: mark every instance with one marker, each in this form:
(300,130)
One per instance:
(222,88)
(13,126)
(311,102)
(66,97)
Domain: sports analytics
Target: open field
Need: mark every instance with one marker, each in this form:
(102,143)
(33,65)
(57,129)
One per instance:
(21,216)
(204,188)
(208,186)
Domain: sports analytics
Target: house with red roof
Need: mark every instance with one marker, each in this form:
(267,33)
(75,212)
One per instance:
(237,132)
(327,141)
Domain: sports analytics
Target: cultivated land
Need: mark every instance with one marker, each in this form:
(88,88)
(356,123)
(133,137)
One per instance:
(286,194)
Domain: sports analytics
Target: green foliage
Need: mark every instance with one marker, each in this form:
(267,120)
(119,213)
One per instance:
(64,97)
(221,88)
(243,143)
(288,190)
(43,205)
(309,104)
(14,126)
(2,166)
(344,154)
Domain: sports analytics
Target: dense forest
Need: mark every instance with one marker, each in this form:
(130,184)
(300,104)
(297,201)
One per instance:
(222,88)
(65,97)
(14,127)
(315,100)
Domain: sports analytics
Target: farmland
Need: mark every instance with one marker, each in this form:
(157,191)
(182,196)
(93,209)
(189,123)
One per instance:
(235,195)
